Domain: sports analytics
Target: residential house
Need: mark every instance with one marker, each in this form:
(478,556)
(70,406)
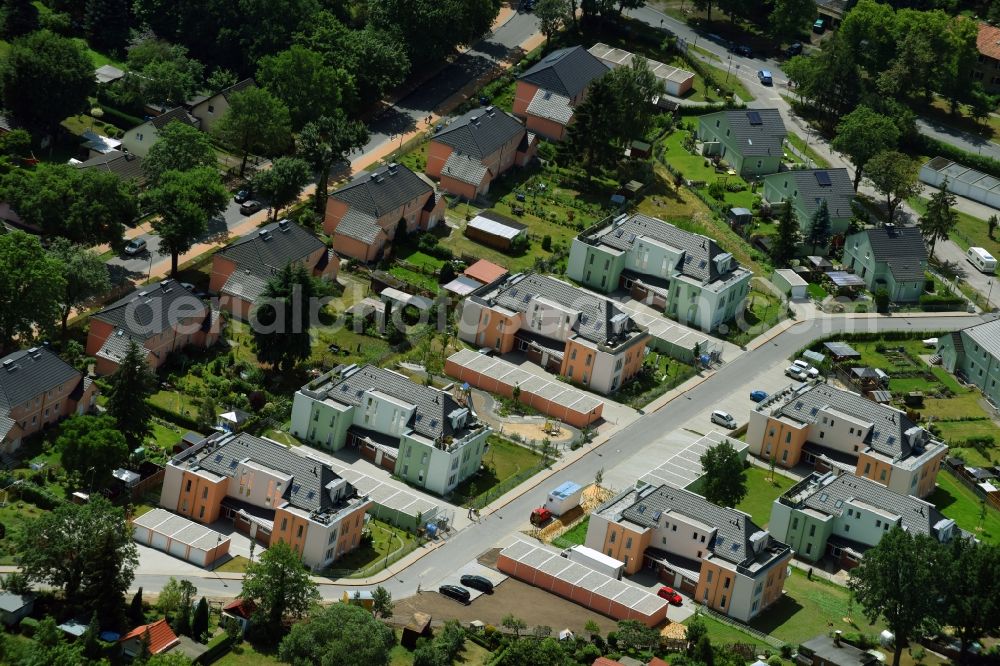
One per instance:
(685,275)
(805,189)
(140,138)
(271,492)
(38,389)
(715,554)
(364,215)
(974,354)
(838,515)
(749,140)
(419,433)
(824,650)
(891,258)
(547,92)
(162,318)
(240,271)
(15,607)
(159,635)
(584,337)
(987,68)
(831,428)
(127,166)
(209,108)
(476,148)
(239,611)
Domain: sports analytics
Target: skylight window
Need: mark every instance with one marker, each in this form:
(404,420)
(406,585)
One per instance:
(823,178)
(754,118)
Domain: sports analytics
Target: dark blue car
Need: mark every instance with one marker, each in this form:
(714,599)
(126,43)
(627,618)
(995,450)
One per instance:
(758,395)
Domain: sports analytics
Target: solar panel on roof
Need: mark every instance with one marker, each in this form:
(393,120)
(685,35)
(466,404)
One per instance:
(754,118)
(823,178)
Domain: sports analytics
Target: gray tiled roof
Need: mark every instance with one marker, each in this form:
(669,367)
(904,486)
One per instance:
(985,335)
(147,311)
(127,166)
(734,528)
(550,105)
(237,87)
(889,425)
(757,140)
(359,225)
(116,346)
(918,516)
(430,418)
(270,248)
(596,311)
(481,132)
(902,248)
(6,425)
(244,285)
(464,169)
(383,190)
(838,194)
(310,477)
(566,71)
(698,250)
(180,114)
(31,373)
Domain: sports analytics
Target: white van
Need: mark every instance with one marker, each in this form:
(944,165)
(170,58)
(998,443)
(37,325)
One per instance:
(982,260)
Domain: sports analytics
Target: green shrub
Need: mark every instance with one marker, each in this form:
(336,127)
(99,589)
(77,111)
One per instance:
(29,626)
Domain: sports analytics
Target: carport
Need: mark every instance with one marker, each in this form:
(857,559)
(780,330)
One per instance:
(180,537)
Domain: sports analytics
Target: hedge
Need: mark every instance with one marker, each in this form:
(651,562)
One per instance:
(925,145)
(941,302)
(174,417)
(217,647)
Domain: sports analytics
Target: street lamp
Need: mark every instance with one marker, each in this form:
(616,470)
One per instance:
(989,303)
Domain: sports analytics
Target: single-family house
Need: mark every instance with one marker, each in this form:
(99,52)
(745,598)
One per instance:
(209,108)
(39,389)
(831,428)
(477,148)
(987,68)
(419,433)
(271,492)
(891,258)
(685,275)
(240,271)
(158,635)
(139,139)
(571,331)
(239,611)
(750,140)
(364,215)
(162,318)
(717,555)
(825,650)
(838,515)
(974,353)
(15,607)
(805,189)
(125,165)
(548,91)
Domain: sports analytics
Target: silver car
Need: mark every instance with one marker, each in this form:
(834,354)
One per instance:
(724,419)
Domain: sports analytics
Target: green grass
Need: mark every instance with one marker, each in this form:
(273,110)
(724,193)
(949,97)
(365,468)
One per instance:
(761,493)
(282,437)
(723,634)
(14,516)
(817,291)
(818,160)
(574,536)
(504,460)
(416,159)
(237,564)
(472,653)
(733,83)
(811,607)
(165,437)
(246,654)
(369,557)
(960,504)
(176,402)
(419,280)
(694,168)
(969,232)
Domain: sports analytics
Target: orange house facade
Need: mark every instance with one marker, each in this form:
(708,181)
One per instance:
(270,493)
(831,428)
(162,318)
(716,555)
(364,215)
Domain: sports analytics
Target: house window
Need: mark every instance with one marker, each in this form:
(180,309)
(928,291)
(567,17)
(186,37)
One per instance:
(882,475)
(572,354)
(847,528)
(204,492)
(812,530)
(809,548)
(614,535)
(628,544)
(188,488)
(725,583)
(878,523)
(788,437)
(708,579)
(795,523)
(868,468)
(695,536)
(211,108)
(201,512)
(784,456)
(284,524)
(299,533)
(722,604)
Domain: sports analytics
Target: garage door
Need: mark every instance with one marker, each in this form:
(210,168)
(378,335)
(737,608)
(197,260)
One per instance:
(198,556)
(178,549)
(159,541)
(141,534)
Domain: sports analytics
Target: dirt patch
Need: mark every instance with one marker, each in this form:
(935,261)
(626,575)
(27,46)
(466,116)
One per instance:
(536,607)
(537,432)
(593,496)
(674,631)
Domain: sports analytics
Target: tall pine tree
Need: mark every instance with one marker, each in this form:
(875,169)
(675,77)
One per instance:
(786,242)
(281,319)
(819,227)
(131,385)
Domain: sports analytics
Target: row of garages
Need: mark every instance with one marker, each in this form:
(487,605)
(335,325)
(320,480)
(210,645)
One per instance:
(180,537)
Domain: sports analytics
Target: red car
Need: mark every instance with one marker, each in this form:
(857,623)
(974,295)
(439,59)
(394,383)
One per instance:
(671,596)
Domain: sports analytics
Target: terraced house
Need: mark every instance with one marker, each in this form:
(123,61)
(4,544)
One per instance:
(716,555)
(749,140)
(39,389)
(365,215)
(270,492)
(974,354)
(831,428)
(419,433)
(570,331)
(476,148)
(687,276)
(838,515)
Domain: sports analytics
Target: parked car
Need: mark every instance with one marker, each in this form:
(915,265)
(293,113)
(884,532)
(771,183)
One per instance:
(819,27)
(250,207)
(245,194)
(136,246)
(795,372)
(670,595)
(764,76)
(478,583)
(724,419)
(758,395)
(806,368)
(794,49)
(455,592)
(743,50)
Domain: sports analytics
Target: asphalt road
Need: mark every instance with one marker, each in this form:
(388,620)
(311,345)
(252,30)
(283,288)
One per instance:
(965,140)
(470,542)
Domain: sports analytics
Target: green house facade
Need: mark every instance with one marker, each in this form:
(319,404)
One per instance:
(974,352)
(804,189)
(890,257)
(750,140)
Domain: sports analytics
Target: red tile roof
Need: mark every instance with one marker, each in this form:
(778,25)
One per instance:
(242,607)
(988,41)
(656,661)
(485,271)
(161,637)
(604,661)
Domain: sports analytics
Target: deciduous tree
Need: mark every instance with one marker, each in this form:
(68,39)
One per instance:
(553,16)
(184,201)
(179,147)
(280,587)
(940,219)
(85,275)
(130,387)
(307,85)
(91,447)
(861,135)
(972,593)
(324,143)
(894,176)
(381,602)
(338,634)
(106,24)
(256,122)
(31,282)
(788,18)
(18,18)
(164,72)
(282,183)
(725,480)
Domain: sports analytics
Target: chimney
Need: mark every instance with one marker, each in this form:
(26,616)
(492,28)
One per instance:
(836,637)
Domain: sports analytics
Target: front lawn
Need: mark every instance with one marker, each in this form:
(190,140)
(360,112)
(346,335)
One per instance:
(505,463)
(700,169)
(816,291)
(14,515)
(574,536)
(387,544)
(761,493)
(237,564)
(724,634)
(960,504)
(246,654)
(818,161)
(969,232)
(660,374)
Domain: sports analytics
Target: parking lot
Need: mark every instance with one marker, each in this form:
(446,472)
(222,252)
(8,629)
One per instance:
(475,569)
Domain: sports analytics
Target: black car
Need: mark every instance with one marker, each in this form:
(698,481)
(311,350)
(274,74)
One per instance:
(243,195)
(743,50)
(250,207)
(478,583)
(455,592)
(794,49)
